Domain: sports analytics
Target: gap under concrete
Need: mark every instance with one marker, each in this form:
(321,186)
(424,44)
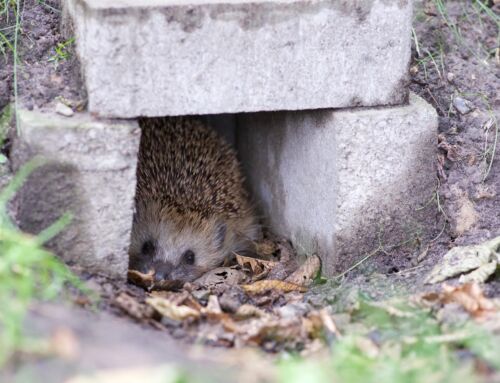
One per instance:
(329,180)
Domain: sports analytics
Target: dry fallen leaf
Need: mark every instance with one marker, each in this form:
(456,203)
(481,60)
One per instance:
(140,279)
(481,274)
(464,259)
(258,267)
(306,273)
(183,298)
(131,306)
(258,331)
(260,287)
(223,314)
(470,297)
(170,310)
(167,285)
(452,151)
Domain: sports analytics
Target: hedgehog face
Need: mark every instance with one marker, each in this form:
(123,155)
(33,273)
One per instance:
(180,250)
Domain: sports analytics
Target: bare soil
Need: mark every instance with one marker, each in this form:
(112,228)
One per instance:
(41,78)
(463,69)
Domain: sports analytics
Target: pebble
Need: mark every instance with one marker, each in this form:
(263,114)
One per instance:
(450,76)
(462,105)
(64,109)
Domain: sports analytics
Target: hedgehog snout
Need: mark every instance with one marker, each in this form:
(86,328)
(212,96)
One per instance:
(162,270)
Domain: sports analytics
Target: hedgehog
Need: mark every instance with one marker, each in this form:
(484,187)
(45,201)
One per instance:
(192,210)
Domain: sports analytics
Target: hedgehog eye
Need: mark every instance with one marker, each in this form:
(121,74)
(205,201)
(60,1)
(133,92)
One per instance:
(188,257)
(148,248)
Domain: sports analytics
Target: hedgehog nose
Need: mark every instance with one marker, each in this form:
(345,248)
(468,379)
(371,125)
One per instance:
(162,270)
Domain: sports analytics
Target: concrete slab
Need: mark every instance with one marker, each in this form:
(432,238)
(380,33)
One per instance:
(333,180)
(88,170)
(179,57)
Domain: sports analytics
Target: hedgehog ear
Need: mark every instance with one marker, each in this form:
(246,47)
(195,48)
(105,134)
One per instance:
(220,234)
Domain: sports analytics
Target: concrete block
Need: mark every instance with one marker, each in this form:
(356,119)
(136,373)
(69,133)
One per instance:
(180,57)
(88,169)
(331,180)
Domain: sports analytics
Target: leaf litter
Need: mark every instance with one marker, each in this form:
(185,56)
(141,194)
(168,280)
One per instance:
(264,303)
(475,263)
(261,302)
(244,306)
(255,301)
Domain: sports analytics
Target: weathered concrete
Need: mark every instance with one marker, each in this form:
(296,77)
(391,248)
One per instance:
(88,170)
(332,180)
(167,57)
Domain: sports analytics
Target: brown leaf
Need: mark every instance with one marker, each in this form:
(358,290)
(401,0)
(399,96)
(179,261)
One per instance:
(170,310)
(260,287)
(132,306)
(452,151)
(470,297)
(306,273)
(167,285)
(140,279)
(258,267)
(440,166)
(257,331)
(183,298)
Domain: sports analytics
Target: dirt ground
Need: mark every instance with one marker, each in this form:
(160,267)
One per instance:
(449,71)
(41,76)
(455,67)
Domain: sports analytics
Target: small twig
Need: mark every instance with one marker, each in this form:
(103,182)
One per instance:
(493,150)
(435,64)
(417,45)
(435,102)
(357,263)
(405,271)
(433,197)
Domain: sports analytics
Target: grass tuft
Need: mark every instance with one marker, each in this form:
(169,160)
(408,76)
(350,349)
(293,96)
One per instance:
(28,272)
